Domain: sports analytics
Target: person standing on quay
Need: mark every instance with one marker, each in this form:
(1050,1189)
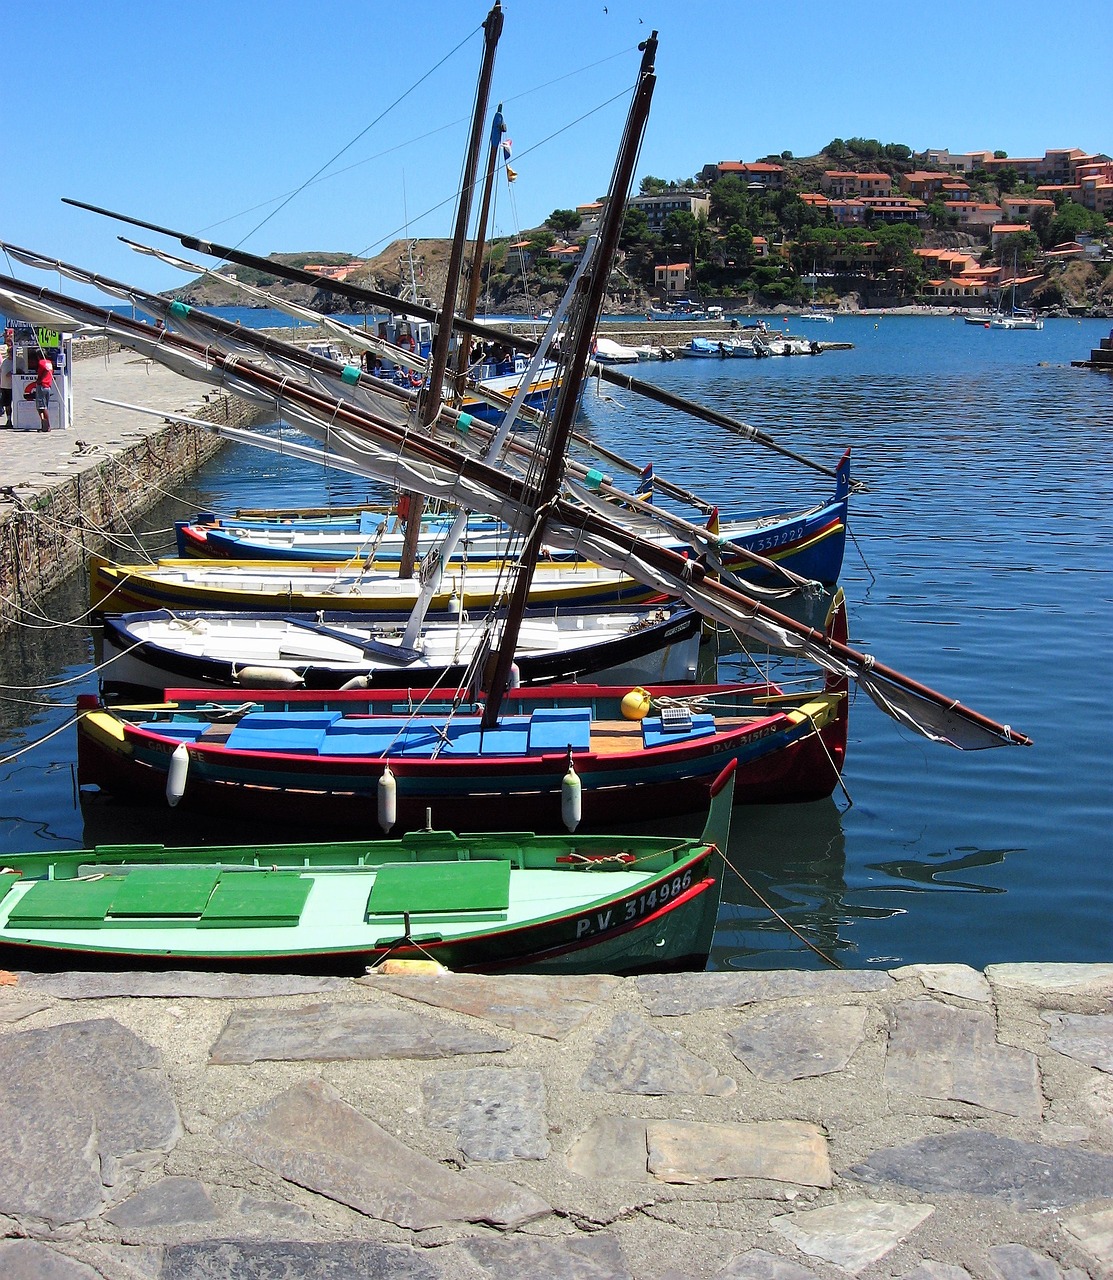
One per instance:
(6,385)
(44,380)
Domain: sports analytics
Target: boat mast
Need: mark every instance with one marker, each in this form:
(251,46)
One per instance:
(568,399)
(463,352)
(434,390)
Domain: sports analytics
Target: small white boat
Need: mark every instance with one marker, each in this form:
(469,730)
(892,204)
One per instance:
(1015,320)
(607,351)
(813,314)
(161,648)
(772,345)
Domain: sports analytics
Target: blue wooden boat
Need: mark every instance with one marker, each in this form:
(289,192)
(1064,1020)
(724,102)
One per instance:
(337,759)
(809,542)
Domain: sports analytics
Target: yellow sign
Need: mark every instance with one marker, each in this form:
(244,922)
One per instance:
(48,338)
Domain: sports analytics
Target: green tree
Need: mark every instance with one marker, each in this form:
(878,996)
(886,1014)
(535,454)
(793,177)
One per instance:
(563,221)
(1024,246)
(635,228)
(680,227)
(540,240)
(1069,221)
(1000,155)
(940,215)
(738,244)
(653,186)
(730,201)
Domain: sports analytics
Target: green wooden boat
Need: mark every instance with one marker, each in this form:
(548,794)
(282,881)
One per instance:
(505,902)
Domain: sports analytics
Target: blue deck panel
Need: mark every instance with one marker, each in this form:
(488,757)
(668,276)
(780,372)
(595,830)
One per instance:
(653,736)
(185,730)
(556,728)
(300,741)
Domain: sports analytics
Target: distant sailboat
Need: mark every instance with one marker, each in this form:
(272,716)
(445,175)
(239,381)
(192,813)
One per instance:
(813,313)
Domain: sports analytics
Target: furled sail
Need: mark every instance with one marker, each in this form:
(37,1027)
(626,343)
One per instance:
(439,468)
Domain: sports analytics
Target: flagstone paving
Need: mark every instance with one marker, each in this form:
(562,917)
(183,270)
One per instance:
(927,1123)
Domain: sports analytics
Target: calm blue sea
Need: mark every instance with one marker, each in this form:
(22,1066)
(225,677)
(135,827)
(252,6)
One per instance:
(980,564)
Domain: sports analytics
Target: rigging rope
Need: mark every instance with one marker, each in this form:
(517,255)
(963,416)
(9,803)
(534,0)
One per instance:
(351,143)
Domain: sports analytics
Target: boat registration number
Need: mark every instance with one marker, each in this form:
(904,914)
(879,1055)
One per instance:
(770,542)
(634,908)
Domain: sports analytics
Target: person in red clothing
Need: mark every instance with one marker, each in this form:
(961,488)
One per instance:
(44,380)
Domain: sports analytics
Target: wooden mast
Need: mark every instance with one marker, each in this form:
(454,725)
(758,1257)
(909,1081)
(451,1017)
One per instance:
(572,376)
(430,407)
(463,352)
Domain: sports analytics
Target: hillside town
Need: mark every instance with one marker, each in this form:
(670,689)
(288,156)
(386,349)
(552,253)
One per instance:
(861,225)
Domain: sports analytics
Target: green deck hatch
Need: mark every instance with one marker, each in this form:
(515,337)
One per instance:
(164,891)
(65,904)
(426,887)
(256,900)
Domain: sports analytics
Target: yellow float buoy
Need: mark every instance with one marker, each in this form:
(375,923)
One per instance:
(635,705)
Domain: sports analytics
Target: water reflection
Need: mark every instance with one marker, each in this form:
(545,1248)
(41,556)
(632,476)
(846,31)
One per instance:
(940,874)
(794,857)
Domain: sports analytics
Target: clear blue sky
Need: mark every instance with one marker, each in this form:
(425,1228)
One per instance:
(203,115)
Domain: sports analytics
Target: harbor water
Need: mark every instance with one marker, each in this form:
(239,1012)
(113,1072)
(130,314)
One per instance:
(979,563)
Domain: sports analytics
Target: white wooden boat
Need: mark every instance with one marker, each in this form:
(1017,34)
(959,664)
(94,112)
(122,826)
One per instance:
(158,648)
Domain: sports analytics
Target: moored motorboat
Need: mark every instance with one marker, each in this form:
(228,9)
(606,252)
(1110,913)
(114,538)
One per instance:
(503,902)
(607,351)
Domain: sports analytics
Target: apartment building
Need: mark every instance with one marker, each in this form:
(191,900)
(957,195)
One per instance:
(658,208)
(840,183)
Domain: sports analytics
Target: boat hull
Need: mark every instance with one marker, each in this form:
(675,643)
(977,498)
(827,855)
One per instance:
(305,588)
(655,922)
(624,770)
(810,542)
(248,650)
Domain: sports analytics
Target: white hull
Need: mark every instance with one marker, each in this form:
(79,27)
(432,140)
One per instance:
(276,652)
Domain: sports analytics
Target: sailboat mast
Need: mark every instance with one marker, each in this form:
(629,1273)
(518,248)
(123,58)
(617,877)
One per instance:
(492,29)
(463,353)
(572,378)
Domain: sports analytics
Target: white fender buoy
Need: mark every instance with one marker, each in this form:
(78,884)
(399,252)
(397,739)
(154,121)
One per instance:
(388,800)
(571,798)
(514,678)
(357,682)
(176,775)
(268,677)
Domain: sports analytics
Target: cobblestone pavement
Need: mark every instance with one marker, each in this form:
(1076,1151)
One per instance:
(930,1122)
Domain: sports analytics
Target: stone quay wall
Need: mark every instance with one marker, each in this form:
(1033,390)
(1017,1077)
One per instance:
(64,495)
